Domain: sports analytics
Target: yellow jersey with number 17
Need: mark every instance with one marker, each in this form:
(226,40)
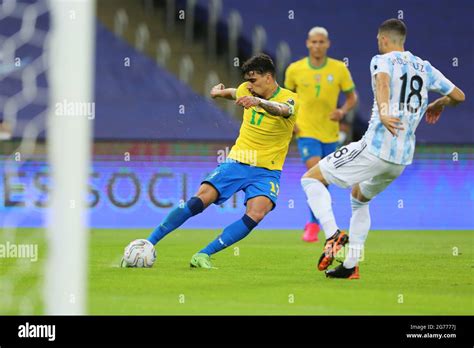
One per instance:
(318,89)
(264,139)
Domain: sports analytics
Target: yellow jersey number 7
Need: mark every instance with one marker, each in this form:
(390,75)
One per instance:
(318,89)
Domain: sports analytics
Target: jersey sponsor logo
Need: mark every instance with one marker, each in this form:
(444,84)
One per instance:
(317,78)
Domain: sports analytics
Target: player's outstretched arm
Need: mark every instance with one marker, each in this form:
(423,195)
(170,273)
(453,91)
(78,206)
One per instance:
(434,110)
(219,91)
(273,108)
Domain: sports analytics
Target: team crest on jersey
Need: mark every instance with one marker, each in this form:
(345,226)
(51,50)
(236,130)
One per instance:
(317,77)
(330,78)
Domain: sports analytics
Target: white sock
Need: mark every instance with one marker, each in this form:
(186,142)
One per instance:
(319,200)
(358,231)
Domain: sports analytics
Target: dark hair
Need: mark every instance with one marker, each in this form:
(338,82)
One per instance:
(394,25)
(260,63)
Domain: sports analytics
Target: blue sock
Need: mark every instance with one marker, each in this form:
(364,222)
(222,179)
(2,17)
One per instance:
(231,234)
(176,218)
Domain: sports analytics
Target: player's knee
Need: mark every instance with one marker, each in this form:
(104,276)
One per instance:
(310,163)
(307,175)
(256,215)
(314,173)
(206,199)
(357,194)
(207,194)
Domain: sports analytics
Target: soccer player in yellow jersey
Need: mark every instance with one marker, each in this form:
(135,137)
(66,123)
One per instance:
(318,80)
(254,163)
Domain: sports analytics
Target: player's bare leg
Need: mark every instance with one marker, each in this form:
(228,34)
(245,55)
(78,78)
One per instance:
(312,162)
(257,208)
(319,199)
(207,194)
(358,231)
(312,228)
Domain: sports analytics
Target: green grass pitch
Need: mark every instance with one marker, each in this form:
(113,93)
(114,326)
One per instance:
(273,273)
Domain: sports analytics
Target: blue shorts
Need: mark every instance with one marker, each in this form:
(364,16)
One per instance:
(311,147)
(229,178)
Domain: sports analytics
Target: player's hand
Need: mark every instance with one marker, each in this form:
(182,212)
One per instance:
(433,112)
(248,101)
(337,115)
(216,90)
(393,124)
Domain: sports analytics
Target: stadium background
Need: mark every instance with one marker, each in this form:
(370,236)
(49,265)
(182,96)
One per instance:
(157,135)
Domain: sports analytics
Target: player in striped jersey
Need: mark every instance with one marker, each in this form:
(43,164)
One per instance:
(400,82)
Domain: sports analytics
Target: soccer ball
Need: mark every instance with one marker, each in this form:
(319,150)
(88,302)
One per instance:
(140,254)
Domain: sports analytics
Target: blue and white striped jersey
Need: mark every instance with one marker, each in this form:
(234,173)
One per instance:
(410,80)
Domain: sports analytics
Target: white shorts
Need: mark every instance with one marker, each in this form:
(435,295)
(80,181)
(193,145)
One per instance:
(354,164)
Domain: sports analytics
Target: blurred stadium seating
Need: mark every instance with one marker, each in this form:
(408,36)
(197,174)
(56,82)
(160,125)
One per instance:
(156,103)
(436,32)
(144,101)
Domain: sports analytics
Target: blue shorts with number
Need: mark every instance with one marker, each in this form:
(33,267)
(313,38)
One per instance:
(311,147)
(229,178)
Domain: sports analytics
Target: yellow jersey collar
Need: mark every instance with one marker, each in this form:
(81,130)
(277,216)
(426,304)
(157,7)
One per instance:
(317,67)
(276,92)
